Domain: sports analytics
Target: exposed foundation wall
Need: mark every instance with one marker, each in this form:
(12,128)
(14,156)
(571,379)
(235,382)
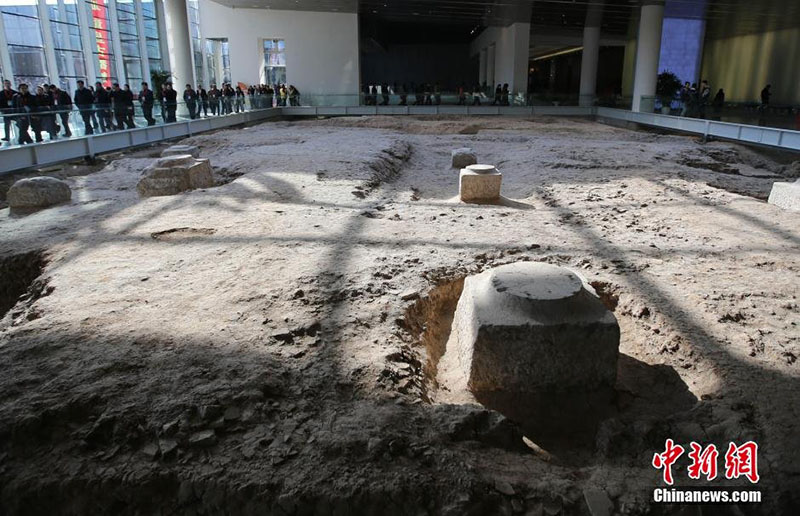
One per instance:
(321,48)
(743,65)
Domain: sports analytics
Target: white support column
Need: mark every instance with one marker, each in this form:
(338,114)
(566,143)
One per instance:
(166,64)
(116,42)
(490,60)
(5,55)
(87,41)
(482,66)
(591,51)
(179,42)
(520,37)
(137,5)
(648,49)
(47,39)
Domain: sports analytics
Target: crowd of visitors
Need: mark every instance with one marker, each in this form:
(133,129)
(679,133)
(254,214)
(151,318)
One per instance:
(46,110)
(431,94)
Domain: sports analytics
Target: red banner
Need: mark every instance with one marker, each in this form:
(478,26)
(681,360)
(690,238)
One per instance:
(100,24)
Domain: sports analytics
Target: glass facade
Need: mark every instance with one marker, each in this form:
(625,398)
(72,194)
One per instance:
(129,40)
(66,33)
(275,61)
(25,42)
(197,41)
(83,35)
(218,61)
(151,34)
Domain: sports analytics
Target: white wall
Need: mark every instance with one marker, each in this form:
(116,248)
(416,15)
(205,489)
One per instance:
(321,48)
(511,54)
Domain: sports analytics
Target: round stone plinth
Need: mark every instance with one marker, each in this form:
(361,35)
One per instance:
(533,328)
(482,169)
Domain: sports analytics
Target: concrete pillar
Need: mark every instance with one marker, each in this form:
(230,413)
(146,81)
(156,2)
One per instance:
(482,67)
(179,42)
(490,66)
(648,49)
(142,46)
(519,35)
(87,39)
(591,50)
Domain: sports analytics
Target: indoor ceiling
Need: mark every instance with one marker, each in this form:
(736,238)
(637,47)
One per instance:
(741,16)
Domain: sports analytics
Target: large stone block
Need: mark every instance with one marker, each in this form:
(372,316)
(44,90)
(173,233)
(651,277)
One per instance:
(786,195)
(182,150)
(533,328)
(174,174)
(479,183)
(38,192)
(463,157)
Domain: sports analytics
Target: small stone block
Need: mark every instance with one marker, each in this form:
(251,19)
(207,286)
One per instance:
(463,157)
(178,150)
(786,195)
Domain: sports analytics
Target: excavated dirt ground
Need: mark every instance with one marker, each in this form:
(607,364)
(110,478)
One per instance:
(269,346)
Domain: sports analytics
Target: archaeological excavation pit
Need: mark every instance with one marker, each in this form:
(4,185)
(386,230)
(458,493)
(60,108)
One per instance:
(18,279)
(279,343)
(538,343)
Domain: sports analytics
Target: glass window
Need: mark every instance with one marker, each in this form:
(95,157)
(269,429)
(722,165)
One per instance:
(218,61)
(25,42)
(150,19)
(275,61)
(197,44)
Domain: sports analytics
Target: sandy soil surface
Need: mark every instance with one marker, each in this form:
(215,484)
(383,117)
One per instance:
(270,346)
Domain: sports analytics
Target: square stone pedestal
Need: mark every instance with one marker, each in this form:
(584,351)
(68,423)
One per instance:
(479,183)
(786,195)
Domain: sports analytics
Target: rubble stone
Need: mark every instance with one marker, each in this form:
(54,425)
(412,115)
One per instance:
(182,150)
(174,174)
(786,195)
(463,157)
(38,192)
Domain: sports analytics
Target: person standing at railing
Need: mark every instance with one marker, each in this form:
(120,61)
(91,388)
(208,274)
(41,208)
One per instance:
(437,94)
(102,103)
(190,98)
(64,105)
(765,95)
(6,108)
(118,106)
(283,94)
(704,98)
(227,99)
(203,102)
(42,115)
(130,110)
(718,103)
(294,96)
(84,100)
(147,100)
(476,95)
(504,94)
(213,99)
(270,94)
(24,103)
(171,101)
(498,95)
(239,99)
(403,95)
